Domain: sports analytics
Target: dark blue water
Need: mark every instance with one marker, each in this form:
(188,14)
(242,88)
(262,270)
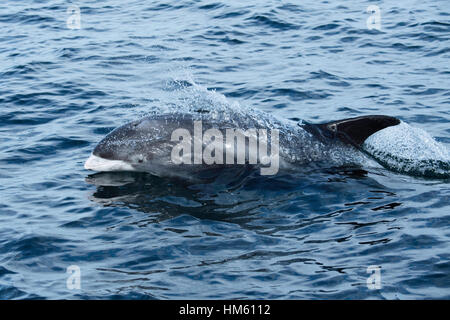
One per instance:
(311,234)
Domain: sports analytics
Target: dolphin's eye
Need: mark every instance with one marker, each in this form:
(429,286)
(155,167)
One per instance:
(138,158)
(333,127)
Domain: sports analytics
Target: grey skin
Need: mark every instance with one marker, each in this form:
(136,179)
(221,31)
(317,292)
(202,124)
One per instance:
(145,145)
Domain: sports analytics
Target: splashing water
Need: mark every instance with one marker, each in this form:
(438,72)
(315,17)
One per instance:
(409,150)
(297,146)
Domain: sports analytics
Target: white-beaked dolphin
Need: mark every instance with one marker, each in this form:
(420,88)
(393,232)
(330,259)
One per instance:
(148,144)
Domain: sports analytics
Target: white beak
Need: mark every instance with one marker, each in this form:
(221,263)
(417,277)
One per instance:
(99,164)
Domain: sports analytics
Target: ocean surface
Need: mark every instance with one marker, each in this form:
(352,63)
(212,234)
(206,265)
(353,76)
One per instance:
(317,234)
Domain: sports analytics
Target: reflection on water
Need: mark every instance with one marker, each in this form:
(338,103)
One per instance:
(239,219)
(241,195)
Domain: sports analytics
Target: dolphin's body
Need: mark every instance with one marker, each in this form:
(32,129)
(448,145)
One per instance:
(146,145)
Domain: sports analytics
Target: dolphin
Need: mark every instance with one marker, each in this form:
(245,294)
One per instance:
(146,145)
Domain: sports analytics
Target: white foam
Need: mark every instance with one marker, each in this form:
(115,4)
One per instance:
(410,150)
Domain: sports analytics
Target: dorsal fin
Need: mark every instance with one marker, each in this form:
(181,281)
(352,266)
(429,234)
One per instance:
(355,130)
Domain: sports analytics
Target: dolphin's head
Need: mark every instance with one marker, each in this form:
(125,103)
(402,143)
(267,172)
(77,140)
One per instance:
(135,146)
